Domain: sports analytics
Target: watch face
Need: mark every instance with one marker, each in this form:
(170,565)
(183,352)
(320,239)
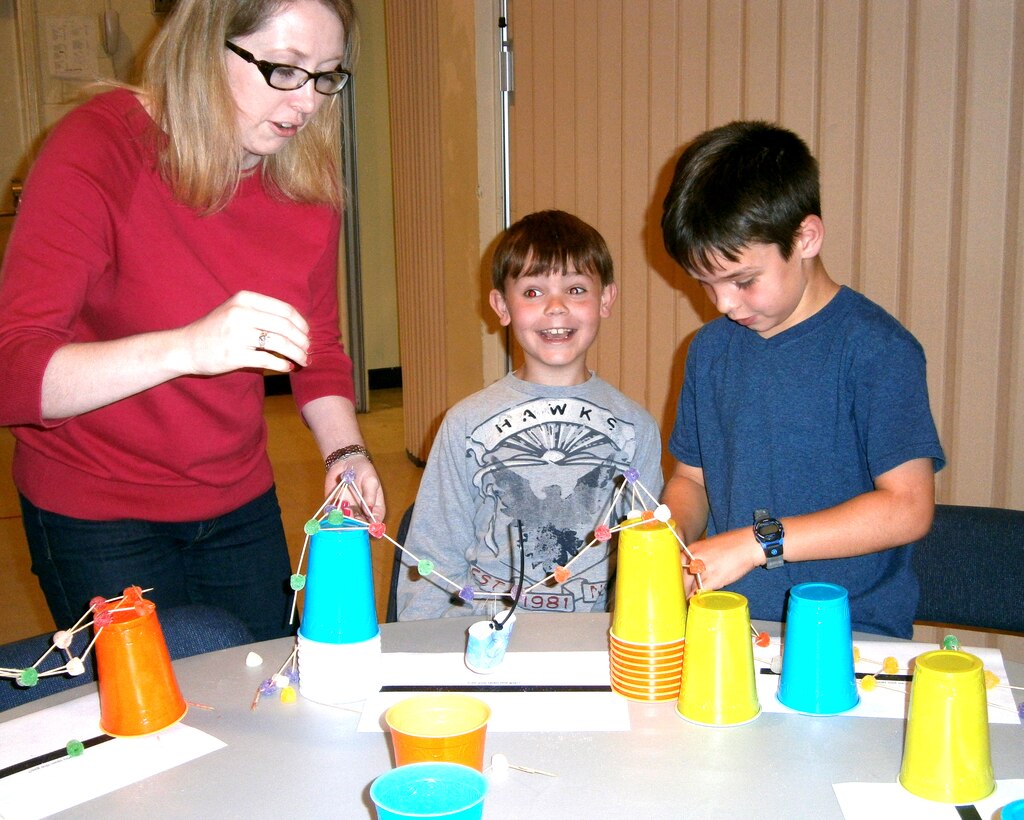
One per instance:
(769,530)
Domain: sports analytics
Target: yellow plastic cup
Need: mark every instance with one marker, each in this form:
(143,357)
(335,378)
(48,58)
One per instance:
(650,606)
(946,755)
(718,686)
(444,727)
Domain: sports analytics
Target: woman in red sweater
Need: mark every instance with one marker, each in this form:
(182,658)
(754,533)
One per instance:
(173,242)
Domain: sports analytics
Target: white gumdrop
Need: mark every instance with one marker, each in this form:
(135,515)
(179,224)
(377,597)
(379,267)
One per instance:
(281,681)
(252,659)
(662,513)
(62,639)
(75,667)
(499,768)
(633,514)
(776,664)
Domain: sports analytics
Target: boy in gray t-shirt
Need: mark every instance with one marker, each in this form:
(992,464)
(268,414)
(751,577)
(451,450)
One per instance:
(547,445)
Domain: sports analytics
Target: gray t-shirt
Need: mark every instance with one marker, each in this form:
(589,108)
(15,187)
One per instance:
(552,458)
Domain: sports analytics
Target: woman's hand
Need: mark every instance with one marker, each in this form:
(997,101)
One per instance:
(365,480)
(249,330)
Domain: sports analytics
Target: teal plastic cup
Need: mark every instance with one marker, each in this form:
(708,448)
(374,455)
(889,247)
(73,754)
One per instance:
(448,790)
(817,651)
(339,605)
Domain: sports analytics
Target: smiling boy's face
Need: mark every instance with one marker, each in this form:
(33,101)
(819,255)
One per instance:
(767,293)
(555,317)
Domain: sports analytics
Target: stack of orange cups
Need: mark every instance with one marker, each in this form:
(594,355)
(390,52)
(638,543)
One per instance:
(645,643)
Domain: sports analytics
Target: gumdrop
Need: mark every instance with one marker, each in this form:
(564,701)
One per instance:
(632,475)
(662,513)
(144,607)
(991,679)
(647,515)
(349,476)
(287,694)
(28,677)
(311,527)
(776,665)
(467,594)
(890,666)
(426,566)
(62,639)
(268,687)
(561,574)
(951,642)
(696,566)
(75,748)
(132,594)
(603,533)
(280,680)
(335,517)
(297,582)
(377,529)
(253,659)
(98,601)
(763,639)
(856,654)
(868,683)
(102,619)
(75,667)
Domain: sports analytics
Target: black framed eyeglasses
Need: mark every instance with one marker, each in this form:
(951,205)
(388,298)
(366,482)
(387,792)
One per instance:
(285,77)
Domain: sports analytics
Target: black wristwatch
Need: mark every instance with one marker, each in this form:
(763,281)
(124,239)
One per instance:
(769,532)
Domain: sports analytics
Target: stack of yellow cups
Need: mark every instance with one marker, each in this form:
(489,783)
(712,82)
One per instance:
(649,620)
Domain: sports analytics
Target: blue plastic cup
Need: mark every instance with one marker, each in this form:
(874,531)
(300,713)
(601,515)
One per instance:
(339,604)
(448,790)
(817,651)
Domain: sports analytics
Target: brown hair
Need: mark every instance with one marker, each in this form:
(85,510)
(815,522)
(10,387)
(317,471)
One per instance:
(185,81)
(548,241)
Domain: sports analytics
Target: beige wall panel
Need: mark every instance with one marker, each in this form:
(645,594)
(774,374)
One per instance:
(725,60)
(884,153)
(761,60)
(984,259)
(800,64)
(837,139)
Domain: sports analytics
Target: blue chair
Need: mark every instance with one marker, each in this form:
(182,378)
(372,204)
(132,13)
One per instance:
(188,630)
(397,566)
(971,568)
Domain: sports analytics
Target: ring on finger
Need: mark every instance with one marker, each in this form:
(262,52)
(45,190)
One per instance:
(263,340)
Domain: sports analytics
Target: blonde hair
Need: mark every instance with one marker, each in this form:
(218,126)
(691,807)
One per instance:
(185,82)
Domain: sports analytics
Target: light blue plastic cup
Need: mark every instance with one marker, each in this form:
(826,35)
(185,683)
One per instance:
(339,605)
(448,790)
(817,651)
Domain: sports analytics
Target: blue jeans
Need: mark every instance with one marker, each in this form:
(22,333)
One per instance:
(238,561)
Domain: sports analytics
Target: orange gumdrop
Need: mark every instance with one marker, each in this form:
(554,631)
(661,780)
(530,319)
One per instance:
(561,574)
(763,639)
(696,567)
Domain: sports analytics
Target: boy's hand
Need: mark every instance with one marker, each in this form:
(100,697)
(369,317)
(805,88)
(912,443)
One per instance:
(727,557)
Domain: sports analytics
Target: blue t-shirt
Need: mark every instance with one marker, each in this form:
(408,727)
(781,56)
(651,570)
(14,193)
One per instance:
(804,421)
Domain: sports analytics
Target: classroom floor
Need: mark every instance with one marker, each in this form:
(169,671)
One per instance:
(299,474)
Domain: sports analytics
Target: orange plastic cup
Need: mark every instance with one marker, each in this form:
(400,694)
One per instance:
(139,694)
(445,727)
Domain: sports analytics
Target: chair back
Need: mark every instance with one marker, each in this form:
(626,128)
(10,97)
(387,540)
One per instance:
(971,568)
(396,566)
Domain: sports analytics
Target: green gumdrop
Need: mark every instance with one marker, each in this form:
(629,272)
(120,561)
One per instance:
(28,677)
(335,517)
(297,582)
(312,527)
(425,567)
(951,642)
(75,748)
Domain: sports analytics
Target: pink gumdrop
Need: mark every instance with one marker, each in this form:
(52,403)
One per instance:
(603,533)
(103,619)
(97,602)
(377,529)
(132,594)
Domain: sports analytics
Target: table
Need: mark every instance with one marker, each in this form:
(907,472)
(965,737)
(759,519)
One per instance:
(307,760)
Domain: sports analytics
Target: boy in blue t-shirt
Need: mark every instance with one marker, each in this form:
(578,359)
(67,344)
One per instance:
(804,440)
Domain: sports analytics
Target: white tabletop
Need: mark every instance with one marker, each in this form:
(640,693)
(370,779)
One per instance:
(307,760)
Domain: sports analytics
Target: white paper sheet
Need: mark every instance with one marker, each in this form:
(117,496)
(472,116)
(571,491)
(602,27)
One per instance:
(68,781)
(549,696)
(889,699)
(870,801)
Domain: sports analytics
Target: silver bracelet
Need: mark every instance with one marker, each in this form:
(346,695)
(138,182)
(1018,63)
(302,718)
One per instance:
(346,452)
